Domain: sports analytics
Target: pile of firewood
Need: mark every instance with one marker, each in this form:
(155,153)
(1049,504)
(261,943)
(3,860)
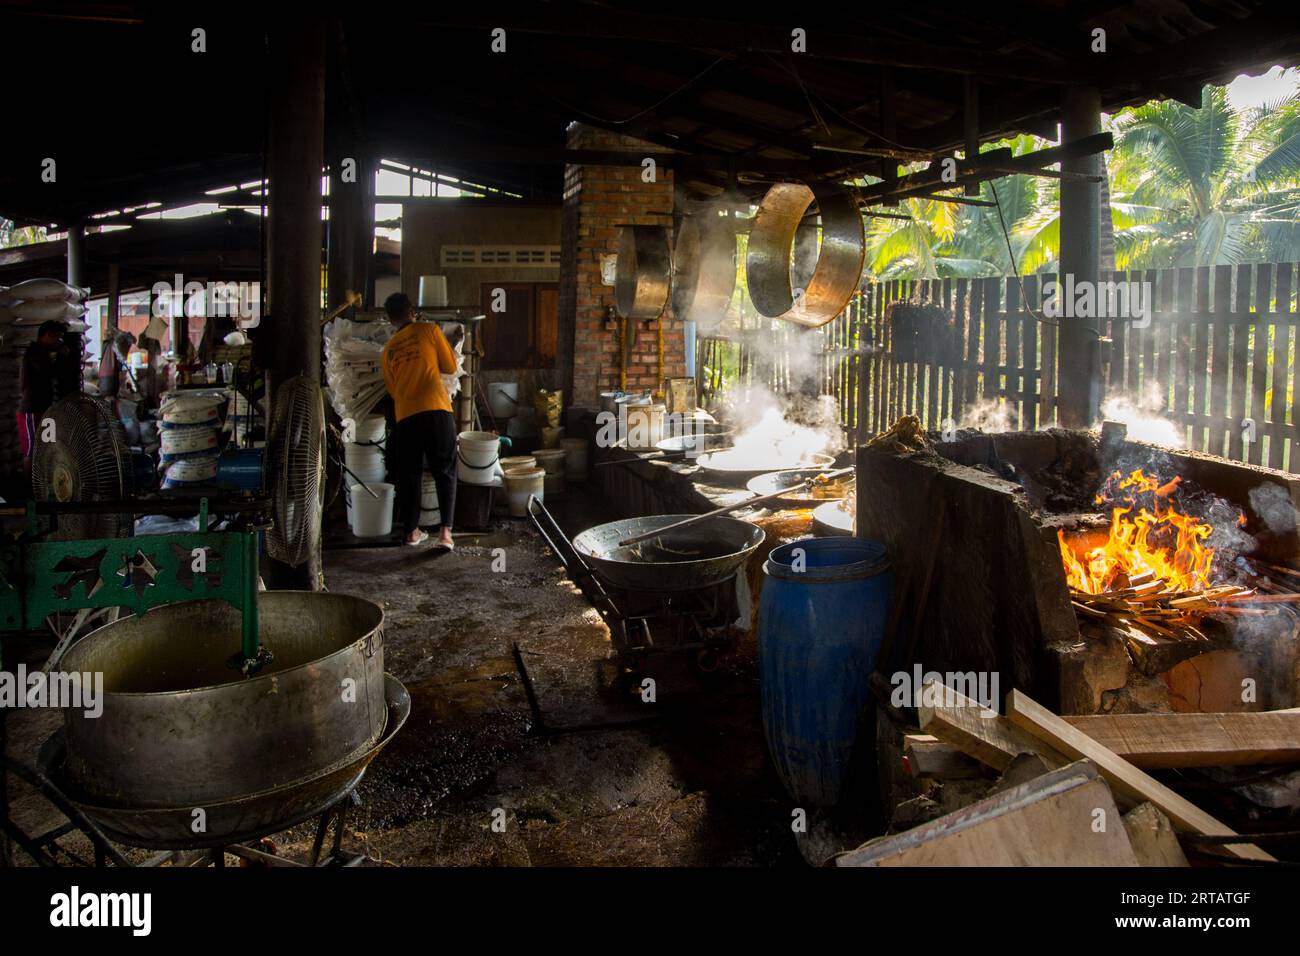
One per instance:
(1156,607)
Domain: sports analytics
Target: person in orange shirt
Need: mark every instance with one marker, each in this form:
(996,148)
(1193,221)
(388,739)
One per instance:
(414,361)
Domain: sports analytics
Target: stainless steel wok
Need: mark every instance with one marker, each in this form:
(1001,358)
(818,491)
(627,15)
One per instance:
(700,442)
(774,481)
(684,559)
(738,477)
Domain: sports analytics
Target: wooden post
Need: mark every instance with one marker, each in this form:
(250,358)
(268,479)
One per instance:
(1080,349)
(288,339)
(76,254)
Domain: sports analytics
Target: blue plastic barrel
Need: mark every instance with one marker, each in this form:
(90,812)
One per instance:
(821,619)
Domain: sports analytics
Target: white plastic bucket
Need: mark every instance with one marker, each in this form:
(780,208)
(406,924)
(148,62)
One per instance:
(575,460)
(503,399)
(370,428)
(551,460)
(518,461)
(520,484)
(372,517)
(479,449)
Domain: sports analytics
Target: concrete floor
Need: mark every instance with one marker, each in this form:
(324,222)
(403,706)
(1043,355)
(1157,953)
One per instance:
(473,779)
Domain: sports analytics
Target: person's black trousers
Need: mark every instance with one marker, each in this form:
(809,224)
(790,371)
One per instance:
(426,437)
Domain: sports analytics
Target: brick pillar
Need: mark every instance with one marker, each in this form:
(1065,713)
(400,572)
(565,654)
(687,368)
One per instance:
(597,200)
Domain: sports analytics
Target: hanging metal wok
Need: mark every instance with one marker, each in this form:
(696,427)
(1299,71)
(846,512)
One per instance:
(772,247)
(643,273)
(704,270)
(692,557)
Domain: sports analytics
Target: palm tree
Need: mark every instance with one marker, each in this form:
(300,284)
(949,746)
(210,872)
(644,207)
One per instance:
(1216,186)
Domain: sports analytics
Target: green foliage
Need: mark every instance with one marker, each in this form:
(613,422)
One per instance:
(1188,187)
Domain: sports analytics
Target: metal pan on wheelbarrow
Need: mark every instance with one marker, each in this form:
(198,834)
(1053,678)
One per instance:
(680,560)
(774,481)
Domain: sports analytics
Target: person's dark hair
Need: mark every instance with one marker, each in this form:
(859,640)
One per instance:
(53,325)
(396,305)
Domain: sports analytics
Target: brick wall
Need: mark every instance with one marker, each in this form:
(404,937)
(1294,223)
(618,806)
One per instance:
(597,200)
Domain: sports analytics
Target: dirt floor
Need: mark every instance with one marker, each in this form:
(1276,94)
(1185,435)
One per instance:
(586,774)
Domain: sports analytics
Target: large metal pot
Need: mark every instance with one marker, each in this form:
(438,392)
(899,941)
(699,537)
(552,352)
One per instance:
(704,270)
(838,269)
(643,272)
(240,818)
(179,728)
(714,468)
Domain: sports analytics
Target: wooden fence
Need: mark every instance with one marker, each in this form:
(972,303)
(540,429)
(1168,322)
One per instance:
(1212,350)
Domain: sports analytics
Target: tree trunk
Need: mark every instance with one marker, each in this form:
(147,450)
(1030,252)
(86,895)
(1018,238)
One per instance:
(1107,250)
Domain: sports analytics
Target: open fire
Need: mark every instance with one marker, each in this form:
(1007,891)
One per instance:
(1150,540)
(1155,573)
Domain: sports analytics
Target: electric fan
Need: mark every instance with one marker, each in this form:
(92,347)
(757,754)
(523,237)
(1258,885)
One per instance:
(81,455)
(295,463)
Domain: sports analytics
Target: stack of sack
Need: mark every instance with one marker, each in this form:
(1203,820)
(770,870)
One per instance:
(190,420)
(23,308)
(354,376)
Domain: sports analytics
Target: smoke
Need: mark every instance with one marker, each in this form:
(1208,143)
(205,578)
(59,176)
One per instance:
(988,415)
(1274,507)
(1141,413)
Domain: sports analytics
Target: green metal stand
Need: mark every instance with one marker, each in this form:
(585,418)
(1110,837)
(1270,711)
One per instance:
(39,577)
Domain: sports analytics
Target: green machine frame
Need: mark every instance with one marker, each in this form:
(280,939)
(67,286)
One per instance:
(40,577)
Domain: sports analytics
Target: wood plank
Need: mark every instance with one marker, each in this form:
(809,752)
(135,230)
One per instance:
(1047,366)
(1015,364)
(1119,332)
(1201,358)
(1133,341)
(974,335)
(1152,837)
(983,734)
(926,757)
(1048,821)
(1182,343)
(961,374)
(1220,331)
(1281,351)
(992,337)
(1196,740)
(1259,362)
(1163,330)
(1029,324)
(1124,778)
(1285,272)
(1149,378)
(1240,362)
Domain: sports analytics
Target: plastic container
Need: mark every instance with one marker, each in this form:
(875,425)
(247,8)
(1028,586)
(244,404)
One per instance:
(479,449)
(821,620)
(518,461)
(576,458)
(551,460)
(370,428)
(551,437)
(503,399)
(372,517)
(522,483)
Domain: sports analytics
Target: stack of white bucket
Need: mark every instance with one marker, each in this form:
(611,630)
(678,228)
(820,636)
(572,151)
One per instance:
(368,516)
(23,308)
(189,437)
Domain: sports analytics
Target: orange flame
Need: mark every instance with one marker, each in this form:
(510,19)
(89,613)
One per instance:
(1160,543)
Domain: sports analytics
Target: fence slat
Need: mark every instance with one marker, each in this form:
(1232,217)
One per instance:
(1029,388)
(1240,362)
(1218,407)
(1259,363)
